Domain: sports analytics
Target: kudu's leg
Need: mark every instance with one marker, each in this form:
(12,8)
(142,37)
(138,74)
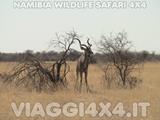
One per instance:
(86,82)
(77,80)
(81,76)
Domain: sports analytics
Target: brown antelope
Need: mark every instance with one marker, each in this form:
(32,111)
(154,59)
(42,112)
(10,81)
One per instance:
(82,64)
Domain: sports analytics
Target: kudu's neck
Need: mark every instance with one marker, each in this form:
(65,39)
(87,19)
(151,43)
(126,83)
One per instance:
(86,60)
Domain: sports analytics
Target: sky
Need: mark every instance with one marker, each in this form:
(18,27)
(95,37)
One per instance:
(23,29)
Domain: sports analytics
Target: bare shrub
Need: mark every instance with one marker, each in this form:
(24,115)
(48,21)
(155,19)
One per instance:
(31,72)
(121,62)
(64,42)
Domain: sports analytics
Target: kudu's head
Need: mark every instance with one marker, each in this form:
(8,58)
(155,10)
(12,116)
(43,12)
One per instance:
(87,49)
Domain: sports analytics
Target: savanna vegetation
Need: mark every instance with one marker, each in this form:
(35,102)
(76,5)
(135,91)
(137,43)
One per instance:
(115,73)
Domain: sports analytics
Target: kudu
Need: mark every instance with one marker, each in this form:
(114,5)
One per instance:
(82,65)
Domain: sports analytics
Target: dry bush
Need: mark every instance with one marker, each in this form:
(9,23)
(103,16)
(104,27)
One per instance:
(31,73)
(121,62)
(111,78)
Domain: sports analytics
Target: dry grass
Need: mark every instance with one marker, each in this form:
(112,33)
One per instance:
(148,92)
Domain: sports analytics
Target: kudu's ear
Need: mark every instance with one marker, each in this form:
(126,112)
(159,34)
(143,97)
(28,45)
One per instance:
(83,48)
